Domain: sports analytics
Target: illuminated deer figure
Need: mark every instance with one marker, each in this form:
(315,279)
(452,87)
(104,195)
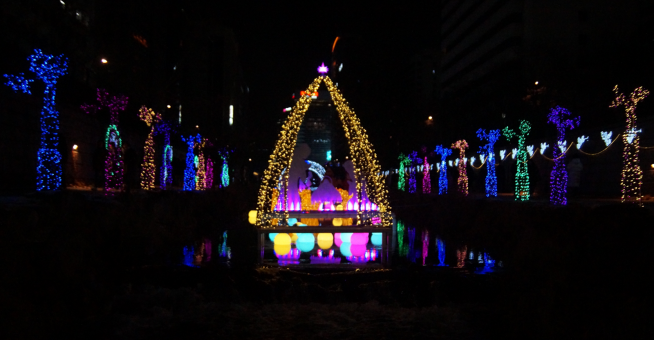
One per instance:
(48,68)
(113,164)
(442,176)
(189,172)
(148,168)
(521,175)
(559,175)
(491,179)
(462,182)
(404,161)
(632,175)
(166,172)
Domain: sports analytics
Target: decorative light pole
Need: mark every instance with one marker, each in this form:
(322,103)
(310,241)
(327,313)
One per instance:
(491,179)
(113,164)
(522,174)
(48,68)
(442,177)
(559,175)
(462,181)
(148,168)
(632,175)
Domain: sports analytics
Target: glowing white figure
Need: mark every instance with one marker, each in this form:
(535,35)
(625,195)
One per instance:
(581,140)
(631,134)
(514,153)
(606,137)
(456,162)
(562,145)
(543,147)
(449,163)
(502,154)
(530,149)
(472,160)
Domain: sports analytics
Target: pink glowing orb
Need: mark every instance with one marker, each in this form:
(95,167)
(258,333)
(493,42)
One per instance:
(322,69)
(337,239)
(358,249)
(359,238)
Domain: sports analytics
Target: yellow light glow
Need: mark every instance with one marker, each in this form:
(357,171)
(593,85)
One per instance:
(75,147)
(325,240)
(282,249)
(430,118)
(168,106)
(536,83)
(252,217)
(103,60)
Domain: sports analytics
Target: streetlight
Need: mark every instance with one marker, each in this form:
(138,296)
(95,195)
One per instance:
(536,83)
(430,118)
(168,106)
(103,60)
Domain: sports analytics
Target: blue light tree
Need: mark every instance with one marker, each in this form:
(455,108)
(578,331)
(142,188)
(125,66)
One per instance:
(189,172)
(48,68)
(165,128)
(413,158)
(522,174)
(442,177)
(491,179)
(559,175)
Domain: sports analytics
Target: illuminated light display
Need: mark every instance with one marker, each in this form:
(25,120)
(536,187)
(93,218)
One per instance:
(165,128)
(425,246)
(462,181)
(114,162)
(514,153)
(442,174)
(543,147)
(426,179)
(530,150)
(189,171)
(325,240)
(148,168)
(402,245)
(48,68)
(522,175)
(562,145)
(632,176)
(461,257)
(491,178)
(201,165)
(472,160)
(441,252)
(581,140)
(502,154)
(413,157)
(224,174)
(404,161)
(362,155)
(606,137)
(559,175)
(316,168)
(208,181)
(322,69)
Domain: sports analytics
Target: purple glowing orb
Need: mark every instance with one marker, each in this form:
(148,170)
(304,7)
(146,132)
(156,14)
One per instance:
(322,69)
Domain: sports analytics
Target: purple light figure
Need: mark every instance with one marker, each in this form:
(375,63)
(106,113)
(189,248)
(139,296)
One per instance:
(322,69)
(559,176)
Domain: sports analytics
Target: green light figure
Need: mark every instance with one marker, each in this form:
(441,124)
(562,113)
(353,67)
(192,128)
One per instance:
(404,161)
(521,175)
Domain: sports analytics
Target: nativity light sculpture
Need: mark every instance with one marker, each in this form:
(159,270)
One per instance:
(165,128)
(462,181)
(189,171)
(148,168)
(362,155)
(48,68)
(559,175)
(404,161)
(442,176)
(632,175)
(113,164)
(413,157)
(492,137)
(522,174)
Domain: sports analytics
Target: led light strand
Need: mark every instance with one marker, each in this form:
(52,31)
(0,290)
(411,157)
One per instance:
(632,175)
(189,171)
(491,178)
(559,175)
(522,174)
(442,174)
(48,68)
(113,164)
(426,180)
(201,168)
(148,168)
(462,181)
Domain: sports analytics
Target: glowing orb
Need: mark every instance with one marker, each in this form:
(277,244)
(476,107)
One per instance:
(345,249)
(376,239)
(325,240)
